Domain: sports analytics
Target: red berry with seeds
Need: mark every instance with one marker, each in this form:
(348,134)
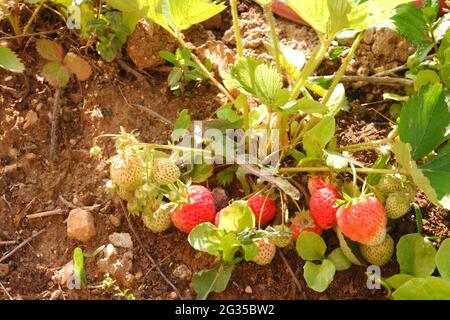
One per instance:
(363,221)
(317,183)
(263,208)
(265,253)
(303,221)
(198,209)
(323,208)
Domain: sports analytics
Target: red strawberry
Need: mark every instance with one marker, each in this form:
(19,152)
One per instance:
(322,206)
(363,221)
(199,209)
(303,221)
(263,208)
(217,218)
(318,182)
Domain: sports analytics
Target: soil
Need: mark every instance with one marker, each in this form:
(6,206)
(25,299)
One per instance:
(30,182)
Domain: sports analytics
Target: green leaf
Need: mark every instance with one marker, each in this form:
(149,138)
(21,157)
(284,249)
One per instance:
(50,50)
(226,176)
(397,280)
(349,248)
(185,13)
(237,217)
(10,61)
(319,277)
(430,288)
(381,163)
(443,259)
(56,74)
(338,52)
(201,172)
(442,27)
(335,160)
(310,246)
(305,105)
(424,121)
(250,250)
(78,66)
(254,77)
(408,15)
(213,280)
(229,246)
(226,112)
(206,238)
(78,267)
(416,255)
(339,260)
(425,77)
(183,120)
(316,139)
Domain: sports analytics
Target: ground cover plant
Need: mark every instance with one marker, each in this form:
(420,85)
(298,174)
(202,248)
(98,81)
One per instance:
(273,143)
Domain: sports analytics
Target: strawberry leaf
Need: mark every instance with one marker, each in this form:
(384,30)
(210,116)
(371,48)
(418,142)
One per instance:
(50,50)
(339,260)
(10,61)
(78,66)
(416,255)
(310,246)
(443,258)
(319,277)
(316,139)
(237,217)
(56,74)
(212,280)
(397,280)
(201,172)
(78,267)
(430,288)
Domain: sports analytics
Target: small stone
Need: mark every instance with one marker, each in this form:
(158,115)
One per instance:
(64,274)
(4,269)
(73,142)
(138,275)
(55,295)
(121,240)
(115,221)
(30,156)
(118,267)
(30,119)
(173,295)
(80,225)
(248,290)
(182,272)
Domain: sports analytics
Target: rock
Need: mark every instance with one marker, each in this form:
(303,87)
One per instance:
(80,225)
(4,269)
(182,272)
(56,295)
(213,23)
(173,295)
(64,274)
(248,290)
(146,42)
(115,221)
(121,240)
(118,267)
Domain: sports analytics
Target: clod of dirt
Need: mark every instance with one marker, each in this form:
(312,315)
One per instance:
(182,272)
(121,240)
(4,269)
(118,267)
(214,22)
(248,290)
(56,295)
(221,198)
(115,221)
(65,273)
(80,225)
(145,44)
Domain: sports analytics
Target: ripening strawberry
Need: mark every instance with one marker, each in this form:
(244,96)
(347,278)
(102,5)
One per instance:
(363,220)
(217,217)
(198,209)
(397,204)
(158,220)
(125,194)
(263,208)
(284,238)
(390,183)
(303,221)
(165,171)
(127,171)
(322,206)
(380,254)
(318,182)
(265,253)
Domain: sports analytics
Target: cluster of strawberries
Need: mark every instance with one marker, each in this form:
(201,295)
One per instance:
(146,185)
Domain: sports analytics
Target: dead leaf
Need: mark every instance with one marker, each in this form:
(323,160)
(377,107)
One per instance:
(221,56)
(30,119)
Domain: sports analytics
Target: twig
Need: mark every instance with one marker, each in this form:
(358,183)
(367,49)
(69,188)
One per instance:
(135,73)
(7,202)
(32,34)
(74,206)
(291,272)
(7,243)
(9,254)
(55,118)
(391,71)
(146,109)
(388,81)
(153,262)
(6,291)
(45,214)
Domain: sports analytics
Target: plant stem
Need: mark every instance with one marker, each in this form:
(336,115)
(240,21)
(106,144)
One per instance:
(326,169)
(55,123)
(237,29)
(273,34)
(343,68)
(33,16)
(12,20)
(205,70)
(310,67)
(364,145)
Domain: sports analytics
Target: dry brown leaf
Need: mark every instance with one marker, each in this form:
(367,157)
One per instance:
(220,55)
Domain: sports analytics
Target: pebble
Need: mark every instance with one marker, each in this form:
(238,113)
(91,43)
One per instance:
(173,295)
(121,240)
(182,272)
(4,269)
(248,290)
(55,295)
(115,221)
(80,225)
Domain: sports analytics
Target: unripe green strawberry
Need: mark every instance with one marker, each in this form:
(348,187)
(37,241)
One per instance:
(265,253)
(284,238)
(380,254)
(158,220)
(125,194)
(397,204)
(389,184)
(165,171)
(127,171)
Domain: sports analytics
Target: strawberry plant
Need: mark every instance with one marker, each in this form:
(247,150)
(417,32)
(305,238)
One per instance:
(9,60)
